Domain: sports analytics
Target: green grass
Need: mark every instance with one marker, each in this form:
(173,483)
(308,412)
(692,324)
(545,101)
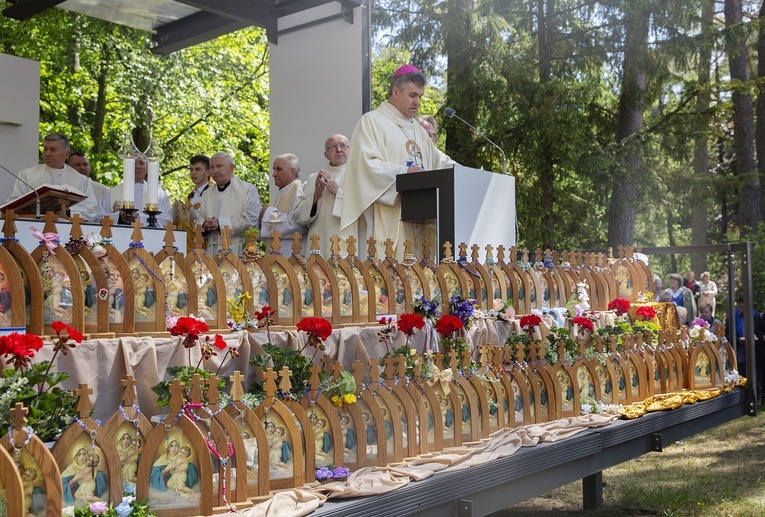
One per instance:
(718,473)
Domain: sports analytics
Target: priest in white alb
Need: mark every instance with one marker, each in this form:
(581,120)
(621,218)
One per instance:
(54,171)
(281,215)
(385,143)
(320,198)
(112,200)
(231,202)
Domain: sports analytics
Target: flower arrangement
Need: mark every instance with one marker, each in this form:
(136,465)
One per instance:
(331,473)
(619,305)
(343,390)
(237,313)
(191,329)
(128,506)
(503,311)
(463,308)
(700,331)
(51,407)
(583,323)
(426,308)
(570,348)
(318,330)
(529,323)
(645,313)
(448,326)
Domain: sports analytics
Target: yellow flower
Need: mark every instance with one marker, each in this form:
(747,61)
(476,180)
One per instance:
(412,351)
(338,400)
(350,398)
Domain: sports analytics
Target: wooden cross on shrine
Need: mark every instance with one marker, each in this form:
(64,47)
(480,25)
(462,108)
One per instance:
(83,401)
(501,254)
(453,363)
(401,365)
(314,246)
(389,369)
(199,240)
(426,251)
(358,375)
(407,248)
(463,250)
(285,384)
(276,241)
(519,353)
(50,222)
(137,235)
(169,238)
(106,227)
(225,239)
(372,248)
(19,416)
(269,386)
(417,368)
(374,373)
(9,226)
(237,390)
(128,391)
(538,257)
(297,245)
(313,379)
(513,254)
(474,253)
(466,359)
(388,248)
(351,240)
(489,256)
(334,248)
(195,389)
(176,396)
(326,364)
(447,250)
(337,368)
(75,232)
(212,392)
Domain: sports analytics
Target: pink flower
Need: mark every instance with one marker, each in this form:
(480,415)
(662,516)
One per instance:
(99,507)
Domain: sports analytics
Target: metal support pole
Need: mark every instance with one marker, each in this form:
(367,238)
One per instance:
(592,492)
(751,365)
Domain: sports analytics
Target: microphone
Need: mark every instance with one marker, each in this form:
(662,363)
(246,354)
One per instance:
(37,205)
(450,113)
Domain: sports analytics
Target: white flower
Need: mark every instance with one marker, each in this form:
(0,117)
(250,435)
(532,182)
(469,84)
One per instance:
(586,408)
(67,511)
(695,332)
(537,312)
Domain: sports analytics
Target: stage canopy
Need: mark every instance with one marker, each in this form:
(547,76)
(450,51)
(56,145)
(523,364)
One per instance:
(178,24)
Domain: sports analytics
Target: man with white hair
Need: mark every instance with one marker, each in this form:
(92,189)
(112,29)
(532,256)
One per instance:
(318,200)
(280,216)
(55,171)
(231,202)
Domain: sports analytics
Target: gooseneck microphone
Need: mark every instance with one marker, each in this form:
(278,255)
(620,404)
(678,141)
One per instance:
(450,113)
(37,205)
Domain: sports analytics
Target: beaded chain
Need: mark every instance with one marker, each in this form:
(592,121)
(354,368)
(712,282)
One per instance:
(75,245)
(135,421)
(17,448)
(139,245)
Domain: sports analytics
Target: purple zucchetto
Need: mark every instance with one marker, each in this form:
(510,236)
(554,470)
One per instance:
(405,69)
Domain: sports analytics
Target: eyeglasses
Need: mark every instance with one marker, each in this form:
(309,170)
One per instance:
(432,135)
(339,147)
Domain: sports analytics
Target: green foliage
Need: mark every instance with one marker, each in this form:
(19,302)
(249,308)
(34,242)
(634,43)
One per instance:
(296,362)
(183,374)
(100,81)
(51,408)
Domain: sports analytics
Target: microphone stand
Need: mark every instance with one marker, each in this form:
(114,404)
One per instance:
(450,113)
(37,205)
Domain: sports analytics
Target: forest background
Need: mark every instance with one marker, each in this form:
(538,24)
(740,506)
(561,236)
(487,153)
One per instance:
(624,121)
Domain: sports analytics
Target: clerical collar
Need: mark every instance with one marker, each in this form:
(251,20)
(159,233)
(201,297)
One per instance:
(224,187)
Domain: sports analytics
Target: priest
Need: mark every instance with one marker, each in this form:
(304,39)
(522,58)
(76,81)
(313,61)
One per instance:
(232,202)
(55,171)
(385,143)
(281,215)
(319,199)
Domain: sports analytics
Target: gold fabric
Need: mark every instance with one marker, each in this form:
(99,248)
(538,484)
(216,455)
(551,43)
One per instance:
(666,314)
(675,400)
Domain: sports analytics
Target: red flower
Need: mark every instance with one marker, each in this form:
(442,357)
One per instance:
(189,327)
(645,312)
(74,334)
(58,326)
(408,322)
(21,348)
(620,305)
(447,324)
(265,312)
(384,320)
(318,330)
(220,343)
(583,322)
(530,321)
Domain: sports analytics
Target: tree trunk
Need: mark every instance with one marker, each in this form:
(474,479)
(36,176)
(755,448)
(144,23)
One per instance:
(760,128)
(622,208)
(97,131)
(73,111)
(700,190)
(743,121)
(545,160)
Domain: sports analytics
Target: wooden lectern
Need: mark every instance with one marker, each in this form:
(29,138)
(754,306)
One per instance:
(469,205)
(53,198)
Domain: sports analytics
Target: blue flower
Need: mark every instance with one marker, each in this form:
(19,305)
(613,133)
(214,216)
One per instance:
(340,473)
(323,473)
(123,509)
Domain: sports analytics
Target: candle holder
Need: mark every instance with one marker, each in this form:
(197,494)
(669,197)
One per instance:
(151,210)
(127,211)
